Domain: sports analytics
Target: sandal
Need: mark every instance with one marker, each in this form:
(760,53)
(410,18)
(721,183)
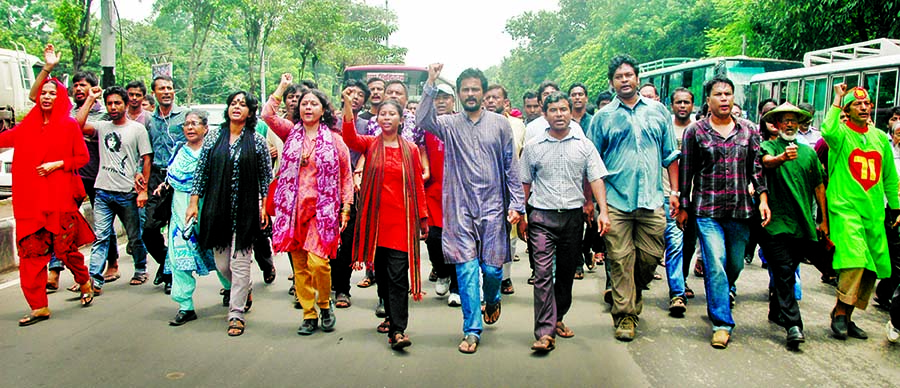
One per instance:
(688,292)
(269,277)
(249,302)
(87,297)
(52,281)
(342,301)
(564,331)
(235,327)
(384,327)
(109,278)
(30,319)
(491,313)
(365,283)
(598,258)
(698,269)
(291,291)
(138,279)
(545,344)
(469,344)
(399,341)
(579,275)
(74,288)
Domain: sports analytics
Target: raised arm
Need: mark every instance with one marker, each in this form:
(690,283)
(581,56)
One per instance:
(82,115)
(426,117)
(281,126)
(51,58)
(354,141)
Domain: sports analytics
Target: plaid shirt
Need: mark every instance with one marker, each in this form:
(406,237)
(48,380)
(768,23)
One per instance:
(716,171)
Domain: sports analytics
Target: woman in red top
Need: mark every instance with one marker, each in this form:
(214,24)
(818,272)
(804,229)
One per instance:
(312,204)
(392,187)
(46,195)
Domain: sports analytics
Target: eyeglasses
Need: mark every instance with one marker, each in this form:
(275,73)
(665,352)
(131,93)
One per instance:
(193,124)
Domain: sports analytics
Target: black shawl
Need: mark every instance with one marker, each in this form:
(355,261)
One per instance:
(215,230)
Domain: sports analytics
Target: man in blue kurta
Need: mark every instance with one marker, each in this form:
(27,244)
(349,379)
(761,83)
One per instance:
(482,191)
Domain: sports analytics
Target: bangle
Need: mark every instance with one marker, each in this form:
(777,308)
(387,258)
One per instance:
(277,98)
(837,106)
(43,69)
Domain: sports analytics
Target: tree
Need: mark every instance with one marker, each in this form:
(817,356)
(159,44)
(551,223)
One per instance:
(26,22)
(260,19)
(73,20)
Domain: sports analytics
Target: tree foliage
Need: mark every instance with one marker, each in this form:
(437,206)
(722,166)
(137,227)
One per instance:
(73,20)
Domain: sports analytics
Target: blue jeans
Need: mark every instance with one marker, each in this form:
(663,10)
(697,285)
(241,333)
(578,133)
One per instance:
(470,295)
(722,241)
(108,205)
(674,256)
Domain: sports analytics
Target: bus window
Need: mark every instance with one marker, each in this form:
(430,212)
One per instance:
(809,91)
(885,97)
(698,76)
(793,91)
(752,100)
(852,80)
(822,94)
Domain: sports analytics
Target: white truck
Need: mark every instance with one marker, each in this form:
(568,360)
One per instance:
(17,69)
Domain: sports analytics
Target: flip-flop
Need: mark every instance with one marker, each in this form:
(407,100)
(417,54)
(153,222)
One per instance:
(235,327)
(76,288)
(29,319)
(342,301)
(138,279)
(469,344)
(111,278)
(365,283)
(384,327)
(545,344)
(491,313)
(564,331)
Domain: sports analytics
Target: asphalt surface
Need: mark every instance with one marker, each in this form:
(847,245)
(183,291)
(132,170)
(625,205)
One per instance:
(124,340)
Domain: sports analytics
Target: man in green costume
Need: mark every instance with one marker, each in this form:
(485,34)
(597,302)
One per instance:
(861,177)
(795,180)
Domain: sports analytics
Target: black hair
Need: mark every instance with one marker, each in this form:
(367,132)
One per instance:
(719,79)
(604,96)
(294,89)
(704,111)
(763,103)
(655,90)
(497,86)
(545,85)
(88,76)
(355,83)
(115,90)
(895,111)
(471,73)
(553,97)
(400,110)
(683,90)
(528,96)
(161,77)
(328,117)
(309,84)
(150,100)
(618,61)
(397,82)
(578,85)
(137,84)
(375,79)
(252,108)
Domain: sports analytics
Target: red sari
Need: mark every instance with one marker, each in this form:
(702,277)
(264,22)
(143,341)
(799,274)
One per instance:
(44,207)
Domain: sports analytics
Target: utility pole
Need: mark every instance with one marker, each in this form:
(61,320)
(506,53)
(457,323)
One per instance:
(108,17)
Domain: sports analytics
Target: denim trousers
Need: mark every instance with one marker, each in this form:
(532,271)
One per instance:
(674,255)
(108,205)
(722,242)
(468,275)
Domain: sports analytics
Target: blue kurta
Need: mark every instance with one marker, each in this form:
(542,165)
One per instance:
(481,182)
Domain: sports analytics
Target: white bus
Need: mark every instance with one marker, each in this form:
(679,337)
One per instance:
(16,77)
(872,65)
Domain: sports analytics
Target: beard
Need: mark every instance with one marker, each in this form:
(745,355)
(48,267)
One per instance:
(473,108)
(787,137)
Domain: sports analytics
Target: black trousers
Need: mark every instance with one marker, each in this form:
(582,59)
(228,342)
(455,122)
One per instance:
(153,237)
(783,253)
(884,291)
(392,267)
(262,253)
(341,269)
(689,245)
(436,256)
(554,238)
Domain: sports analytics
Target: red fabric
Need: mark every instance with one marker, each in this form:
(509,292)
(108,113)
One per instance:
(38,201)
(35,249)
(434,186)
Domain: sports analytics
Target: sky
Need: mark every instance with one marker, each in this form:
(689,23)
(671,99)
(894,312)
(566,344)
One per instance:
(457,33)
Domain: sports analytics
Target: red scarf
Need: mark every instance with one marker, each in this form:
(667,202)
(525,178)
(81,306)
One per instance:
(366,232)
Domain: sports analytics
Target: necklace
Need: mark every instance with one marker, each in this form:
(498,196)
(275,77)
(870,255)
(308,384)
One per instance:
(305,154)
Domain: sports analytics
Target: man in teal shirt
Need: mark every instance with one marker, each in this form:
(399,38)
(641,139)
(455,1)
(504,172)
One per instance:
(794,178)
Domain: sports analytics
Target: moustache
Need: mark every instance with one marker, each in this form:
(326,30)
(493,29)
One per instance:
(471,99)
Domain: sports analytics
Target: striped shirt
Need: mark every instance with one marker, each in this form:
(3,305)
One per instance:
(715,171)
(555,169)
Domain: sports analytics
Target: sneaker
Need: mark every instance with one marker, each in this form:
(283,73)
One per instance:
(183,316)
(677,307)
(795,337)
(893,335)
(328,319)
(531,279)
(379,309)
(308,326)
(720,339)
(442,286)
(432,277)
(453,300)
(625,329)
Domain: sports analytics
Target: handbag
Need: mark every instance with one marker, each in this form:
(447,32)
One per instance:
(78,192)
(162,212)
(270,198)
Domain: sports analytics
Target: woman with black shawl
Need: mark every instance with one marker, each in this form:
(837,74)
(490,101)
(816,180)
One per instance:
(233,174)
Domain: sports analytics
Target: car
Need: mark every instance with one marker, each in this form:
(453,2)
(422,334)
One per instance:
(6,158)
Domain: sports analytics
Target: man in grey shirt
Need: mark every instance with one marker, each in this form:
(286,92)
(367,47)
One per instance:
(554,167)
(123,145)
(481,192)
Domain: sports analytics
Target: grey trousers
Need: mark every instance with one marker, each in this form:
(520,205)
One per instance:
(235,267)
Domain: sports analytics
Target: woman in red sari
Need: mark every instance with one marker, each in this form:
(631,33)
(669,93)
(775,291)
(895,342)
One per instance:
(392,214)
(46,194)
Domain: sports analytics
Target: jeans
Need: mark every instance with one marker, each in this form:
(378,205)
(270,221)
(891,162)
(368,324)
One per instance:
(722,242)
(674,256)
(113,253)
(110,204)
(467,273)
(436,255)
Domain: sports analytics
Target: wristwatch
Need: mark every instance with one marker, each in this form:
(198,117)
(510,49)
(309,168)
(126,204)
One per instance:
(675,193)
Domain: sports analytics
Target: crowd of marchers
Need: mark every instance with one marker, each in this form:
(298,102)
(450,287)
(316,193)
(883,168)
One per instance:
(626,183)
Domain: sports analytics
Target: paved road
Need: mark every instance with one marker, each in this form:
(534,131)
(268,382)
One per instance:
(124,340)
